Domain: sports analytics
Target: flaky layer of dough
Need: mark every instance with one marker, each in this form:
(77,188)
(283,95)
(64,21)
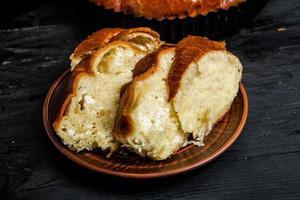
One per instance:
(145,38)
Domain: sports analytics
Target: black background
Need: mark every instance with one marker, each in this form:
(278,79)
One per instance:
(36,38)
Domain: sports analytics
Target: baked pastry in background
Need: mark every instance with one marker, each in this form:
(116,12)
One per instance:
(160,9)
(106,60)
(176,19)
(176,92)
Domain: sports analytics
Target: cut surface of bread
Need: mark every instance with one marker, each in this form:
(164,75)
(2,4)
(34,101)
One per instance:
(204,80)
(87,116)
(177,92)
(145,38)
(167,93)
(146,122)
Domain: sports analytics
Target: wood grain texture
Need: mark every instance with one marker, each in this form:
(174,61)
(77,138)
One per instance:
(263,164)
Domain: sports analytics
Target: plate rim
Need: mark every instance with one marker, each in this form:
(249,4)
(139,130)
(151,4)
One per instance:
(74,158)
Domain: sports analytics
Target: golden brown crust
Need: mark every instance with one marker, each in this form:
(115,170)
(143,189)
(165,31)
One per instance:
(152,66)
(147,66)
(109,4)
(124,124)
(72,83)
(106,35)
(134,35)
(188,50)
(125,35)
(95,41)
(160,9)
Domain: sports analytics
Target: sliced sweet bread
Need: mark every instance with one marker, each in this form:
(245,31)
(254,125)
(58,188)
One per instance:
(177,92)
(146,122)
(87,116)
(204,80)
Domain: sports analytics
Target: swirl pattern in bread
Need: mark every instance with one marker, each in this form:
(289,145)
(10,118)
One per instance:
(145,38)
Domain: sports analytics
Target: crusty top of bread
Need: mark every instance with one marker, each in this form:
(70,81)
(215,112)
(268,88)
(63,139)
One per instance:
(99,38)
(188,50)
(94,41)
(160,9)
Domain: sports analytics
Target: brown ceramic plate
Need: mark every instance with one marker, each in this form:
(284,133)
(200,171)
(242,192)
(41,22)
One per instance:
(133,166)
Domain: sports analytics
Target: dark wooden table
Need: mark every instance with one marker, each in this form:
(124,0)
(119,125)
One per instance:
(36,38)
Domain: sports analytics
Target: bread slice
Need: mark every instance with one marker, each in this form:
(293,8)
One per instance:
(146,122)
(145,38)
(177,92)
(204,80)
(87,116)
